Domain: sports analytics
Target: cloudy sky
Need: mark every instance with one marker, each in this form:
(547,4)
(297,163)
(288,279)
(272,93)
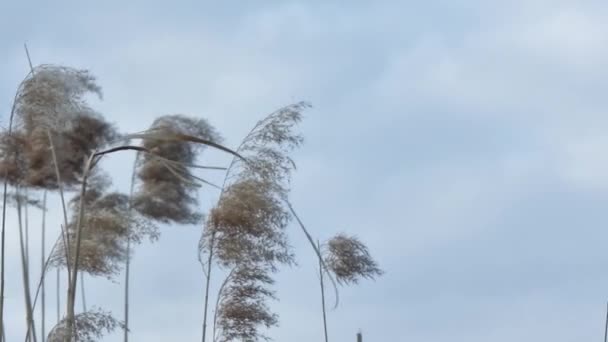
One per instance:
(464,141)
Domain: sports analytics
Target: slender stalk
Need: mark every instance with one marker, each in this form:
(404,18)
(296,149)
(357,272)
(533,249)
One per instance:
(83,296)
(322,294)
(58,295)
(64,234)
(3,231)
(126,308)
(127,276)
(208,281)
(128,263)
(60,187)
(317,251)
(42,278)
(43,270)
(2,257)
(74,276)
(218,299)
(27,232)
(606,327)
(210,259)
(24,271)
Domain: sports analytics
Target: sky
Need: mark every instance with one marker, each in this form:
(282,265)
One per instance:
(464,141)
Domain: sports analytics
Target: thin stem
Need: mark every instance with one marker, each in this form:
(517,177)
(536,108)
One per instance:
(43,269)
(26,287)
(127,273)
(43,275)
(218,299)
(317,251)
(208,281)
(128,262)
(3,231)
(83,296)
(606,327)
(27,232)
(322,294)
(58,289)
(64,234)
(74,276)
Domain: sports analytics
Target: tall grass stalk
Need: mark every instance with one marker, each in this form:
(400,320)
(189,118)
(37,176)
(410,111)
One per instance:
(3,231)
(91,162)
(322,294)
(31,335)
(64,234)
(318,252)
(43,265)
(74,276)
(128,261)
(27,232)
(606,326)
(207,283)
(58,295)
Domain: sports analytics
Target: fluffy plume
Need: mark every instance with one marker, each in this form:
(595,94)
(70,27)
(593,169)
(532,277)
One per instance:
(243,307)
(107,224)
(90,327)
(246,229)
(349,260)
(53,96)
(51,101)
(267,149)
(249,224)
(249,219)
(166,196)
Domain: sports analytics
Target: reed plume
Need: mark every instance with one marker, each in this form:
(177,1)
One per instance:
(246,228)
(50,104)
(349,260)
(107,225)
(168,196)
(249,224)
(243,307)
(90,326)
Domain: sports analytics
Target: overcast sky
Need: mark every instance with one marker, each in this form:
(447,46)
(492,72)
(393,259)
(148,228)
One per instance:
(464,141)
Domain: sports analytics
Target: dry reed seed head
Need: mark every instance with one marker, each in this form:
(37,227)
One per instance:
(167,201)
(52,100)
(18,198)
(268,165)
(12,161)
(89,326)
(53,96)
(160,194)
(243,308)
(249,224)
(108,224)
(72,148)
(349,260)
(267,147)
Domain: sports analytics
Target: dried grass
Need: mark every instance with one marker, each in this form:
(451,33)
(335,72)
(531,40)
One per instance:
(51,100)
(89,326)
(349,260)
(245,231)
(243,308)
(249,224)
(161,195)
(108,224)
